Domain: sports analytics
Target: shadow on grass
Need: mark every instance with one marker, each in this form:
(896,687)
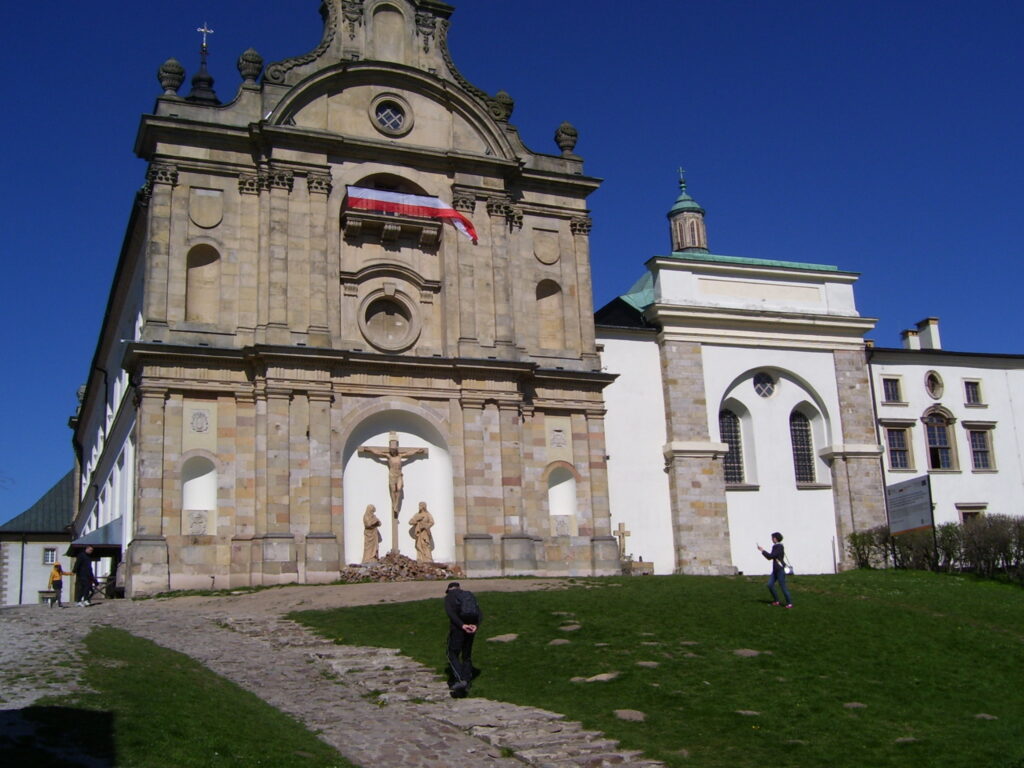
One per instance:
(47,737)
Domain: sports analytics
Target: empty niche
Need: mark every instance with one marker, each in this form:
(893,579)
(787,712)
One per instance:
(198,496)
(202,285)
(550,318)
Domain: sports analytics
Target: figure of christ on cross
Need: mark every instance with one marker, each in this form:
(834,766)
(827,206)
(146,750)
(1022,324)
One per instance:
(621,534)
(395,458)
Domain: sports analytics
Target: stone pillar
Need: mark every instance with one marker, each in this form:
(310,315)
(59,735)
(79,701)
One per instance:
(319,185)
(604,547)
(245,489)
(278,543)
(484,519)
(462,282)
(700,520)
(277,322)
(858,485)
(580,227)
(504,325)
(518,549)
(146,561)
(323,556)
(249,296)
(161,178)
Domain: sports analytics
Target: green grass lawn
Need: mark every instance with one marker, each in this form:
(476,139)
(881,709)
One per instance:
(871,669)
(155,707)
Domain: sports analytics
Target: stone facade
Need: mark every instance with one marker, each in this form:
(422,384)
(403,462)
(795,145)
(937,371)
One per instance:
(280,329)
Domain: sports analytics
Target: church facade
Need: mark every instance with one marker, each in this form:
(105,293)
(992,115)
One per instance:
(268,329)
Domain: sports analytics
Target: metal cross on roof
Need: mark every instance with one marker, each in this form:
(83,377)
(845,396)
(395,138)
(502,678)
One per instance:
(682,179)
(206,31)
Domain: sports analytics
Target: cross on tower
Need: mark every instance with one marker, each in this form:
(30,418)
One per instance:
(682,178)
(205,31)
(621,534)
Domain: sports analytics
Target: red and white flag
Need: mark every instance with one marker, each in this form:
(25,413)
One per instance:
(364,199)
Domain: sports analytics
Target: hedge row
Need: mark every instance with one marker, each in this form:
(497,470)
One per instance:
(990,546)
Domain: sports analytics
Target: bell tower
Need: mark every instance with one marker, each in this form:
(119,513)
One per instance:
(686,220)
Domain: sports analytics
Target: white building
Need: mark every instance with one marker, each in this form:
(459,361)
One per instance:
(957,417)
(743,406)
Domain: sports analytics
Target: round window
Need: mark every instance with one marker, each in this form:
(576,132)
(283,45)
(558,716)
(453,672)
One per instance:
(391,114)
(764,384)
(933,385)
(389,323)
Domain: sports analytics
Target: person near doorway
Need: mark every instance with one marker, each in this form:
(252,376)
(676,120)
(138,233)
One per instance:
(85,580)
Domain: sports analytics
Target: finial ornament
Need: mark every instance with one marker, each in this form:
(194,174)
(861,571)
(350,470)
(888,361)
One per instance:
(682,179)
(205,30)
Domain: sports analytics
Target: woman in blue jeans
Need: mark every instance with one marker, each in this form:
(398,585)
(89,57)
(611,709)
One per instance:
(778,558)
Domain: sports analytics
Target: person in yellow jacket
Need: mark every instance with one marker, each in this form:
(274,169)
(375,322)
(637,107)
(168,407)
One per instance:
(57,574)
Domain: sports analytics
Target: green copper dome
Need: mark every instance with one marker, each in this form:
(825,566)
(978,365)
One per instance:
(684,202)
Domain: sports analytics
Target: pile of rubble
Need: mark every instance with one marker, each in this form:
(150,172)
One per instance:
(396,567)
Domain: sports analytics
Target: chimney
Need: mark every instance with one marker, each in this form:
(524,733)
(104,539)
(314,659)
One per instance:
(928,330)
(910,339)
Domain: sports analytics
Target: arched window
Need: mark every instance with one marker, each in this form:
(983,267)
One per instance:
(803,447)
(941,451)
(202,285)
(729,429)
(550,320)
(199,484)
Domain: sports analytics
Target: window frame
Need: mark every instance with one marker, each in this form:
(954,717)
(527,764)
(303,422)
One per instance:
(733,458)
(898,382)
(980,401)
(950,443)
(48,551)
(984,429)
(905,428)
(804,457)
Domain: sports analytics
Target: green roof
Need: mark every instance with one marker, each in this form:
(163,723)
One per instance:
(53,512)
(641,295)
(699,256)
(684,202)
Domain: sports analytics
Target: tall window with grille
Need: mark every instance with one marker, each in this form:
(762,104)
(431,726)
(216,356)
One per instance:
(803,447)
(899,447)
(891,391)
(981,449)
(940,447)
(729,428)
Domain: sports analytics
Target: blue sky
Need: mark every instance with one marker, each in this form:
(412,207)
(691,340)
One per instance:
(881,137)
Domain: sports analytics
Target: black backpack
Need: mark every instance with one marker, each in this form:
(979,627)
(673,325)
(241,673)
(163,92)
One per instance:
(468,607)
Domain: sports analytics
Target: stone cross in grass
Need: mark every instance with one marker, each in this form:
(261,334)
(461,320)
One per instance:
(621,534)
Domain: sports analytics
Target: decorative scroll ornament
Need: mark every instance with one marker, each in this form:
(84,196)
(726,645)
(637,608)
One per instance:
(276,73)
(581,225)
(426,23)
(353,12)
(500,106)
(171,75)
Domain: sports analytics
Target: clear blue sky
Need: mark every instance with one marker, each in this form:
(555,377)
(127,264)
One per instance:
(881,136)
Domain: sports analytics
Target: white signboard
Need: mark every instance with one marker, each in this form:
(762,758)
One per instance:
(910,505)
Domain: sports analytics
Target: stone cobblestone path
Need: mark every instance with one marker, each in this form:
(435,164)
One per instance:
(373,705)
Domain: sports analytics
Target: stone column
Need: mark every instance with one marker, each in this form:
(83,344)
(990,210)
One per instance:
(277,322)
(323,556)
(462,283)
(504,333)
(146,567)
(278,550)
(519,555)
(249,295)
(483,513)
(161,178)
(858,485)
(604,547)
(245,489)
(700,520)
(319,185)
(580,227)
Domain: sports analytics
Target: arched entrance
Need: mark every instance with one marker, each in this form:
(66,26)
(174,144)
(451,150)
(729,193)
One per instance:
(426,478)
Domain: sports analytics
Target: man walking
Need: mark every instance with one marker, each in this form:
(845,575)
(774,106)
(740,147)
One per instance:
(84,578)
(778,557)
(464,616)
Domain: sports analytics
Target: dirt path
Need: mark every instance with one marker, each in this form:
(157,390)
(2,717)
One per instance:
(332,689)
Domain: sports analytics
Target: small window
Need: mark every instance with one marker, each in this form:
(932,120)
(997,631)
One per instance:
(972,393)
(803,447)
(49,556)
(891,391)
(729,428)
(764,384)
(933,385)
(981,449)
(391,114)
(898,442)
(940,448)
(971,512)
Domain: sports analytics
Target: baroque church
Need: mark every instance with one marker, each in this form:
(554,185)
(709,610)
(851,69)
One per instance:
(353,284)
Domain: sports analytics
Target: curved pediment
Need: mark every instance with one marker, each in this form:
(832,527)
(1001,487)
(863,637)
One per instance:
(375,101)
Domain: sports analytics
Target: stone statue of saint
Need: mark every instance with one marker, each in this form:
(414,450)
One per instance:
(394,457)
(419,528)
(371,534)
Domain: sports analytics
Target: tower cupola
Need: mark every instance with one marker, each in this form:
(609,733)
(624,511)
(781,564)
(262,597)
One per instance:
(686,221)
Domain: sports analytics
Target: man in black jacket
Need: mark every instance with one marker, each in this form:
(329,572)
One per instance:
(461,630)
(84,578)
(778,558)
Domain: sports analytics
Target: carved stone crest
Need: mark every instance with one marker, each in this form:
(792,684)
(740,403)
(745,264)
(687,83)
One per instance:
(200,421)
(426,23)
(352,10)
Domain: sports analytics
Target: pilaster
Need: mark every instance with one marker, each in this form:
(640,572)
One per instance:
(280,183)
(580,227)
(161,178)
(319,186)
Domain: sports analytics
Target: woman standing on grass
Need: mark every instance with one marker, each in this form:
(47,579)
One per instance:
(778,558)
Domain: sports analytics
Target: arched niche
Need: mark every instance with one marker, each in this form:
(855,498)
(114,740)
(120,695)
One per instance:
(198,496)
(202,285)
(550,316)
(560,478)
(426,478)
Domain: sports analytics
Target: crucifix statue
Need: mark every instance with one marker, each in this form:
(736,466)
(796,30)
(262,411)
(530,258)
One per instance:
(395,458)
(621,534)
